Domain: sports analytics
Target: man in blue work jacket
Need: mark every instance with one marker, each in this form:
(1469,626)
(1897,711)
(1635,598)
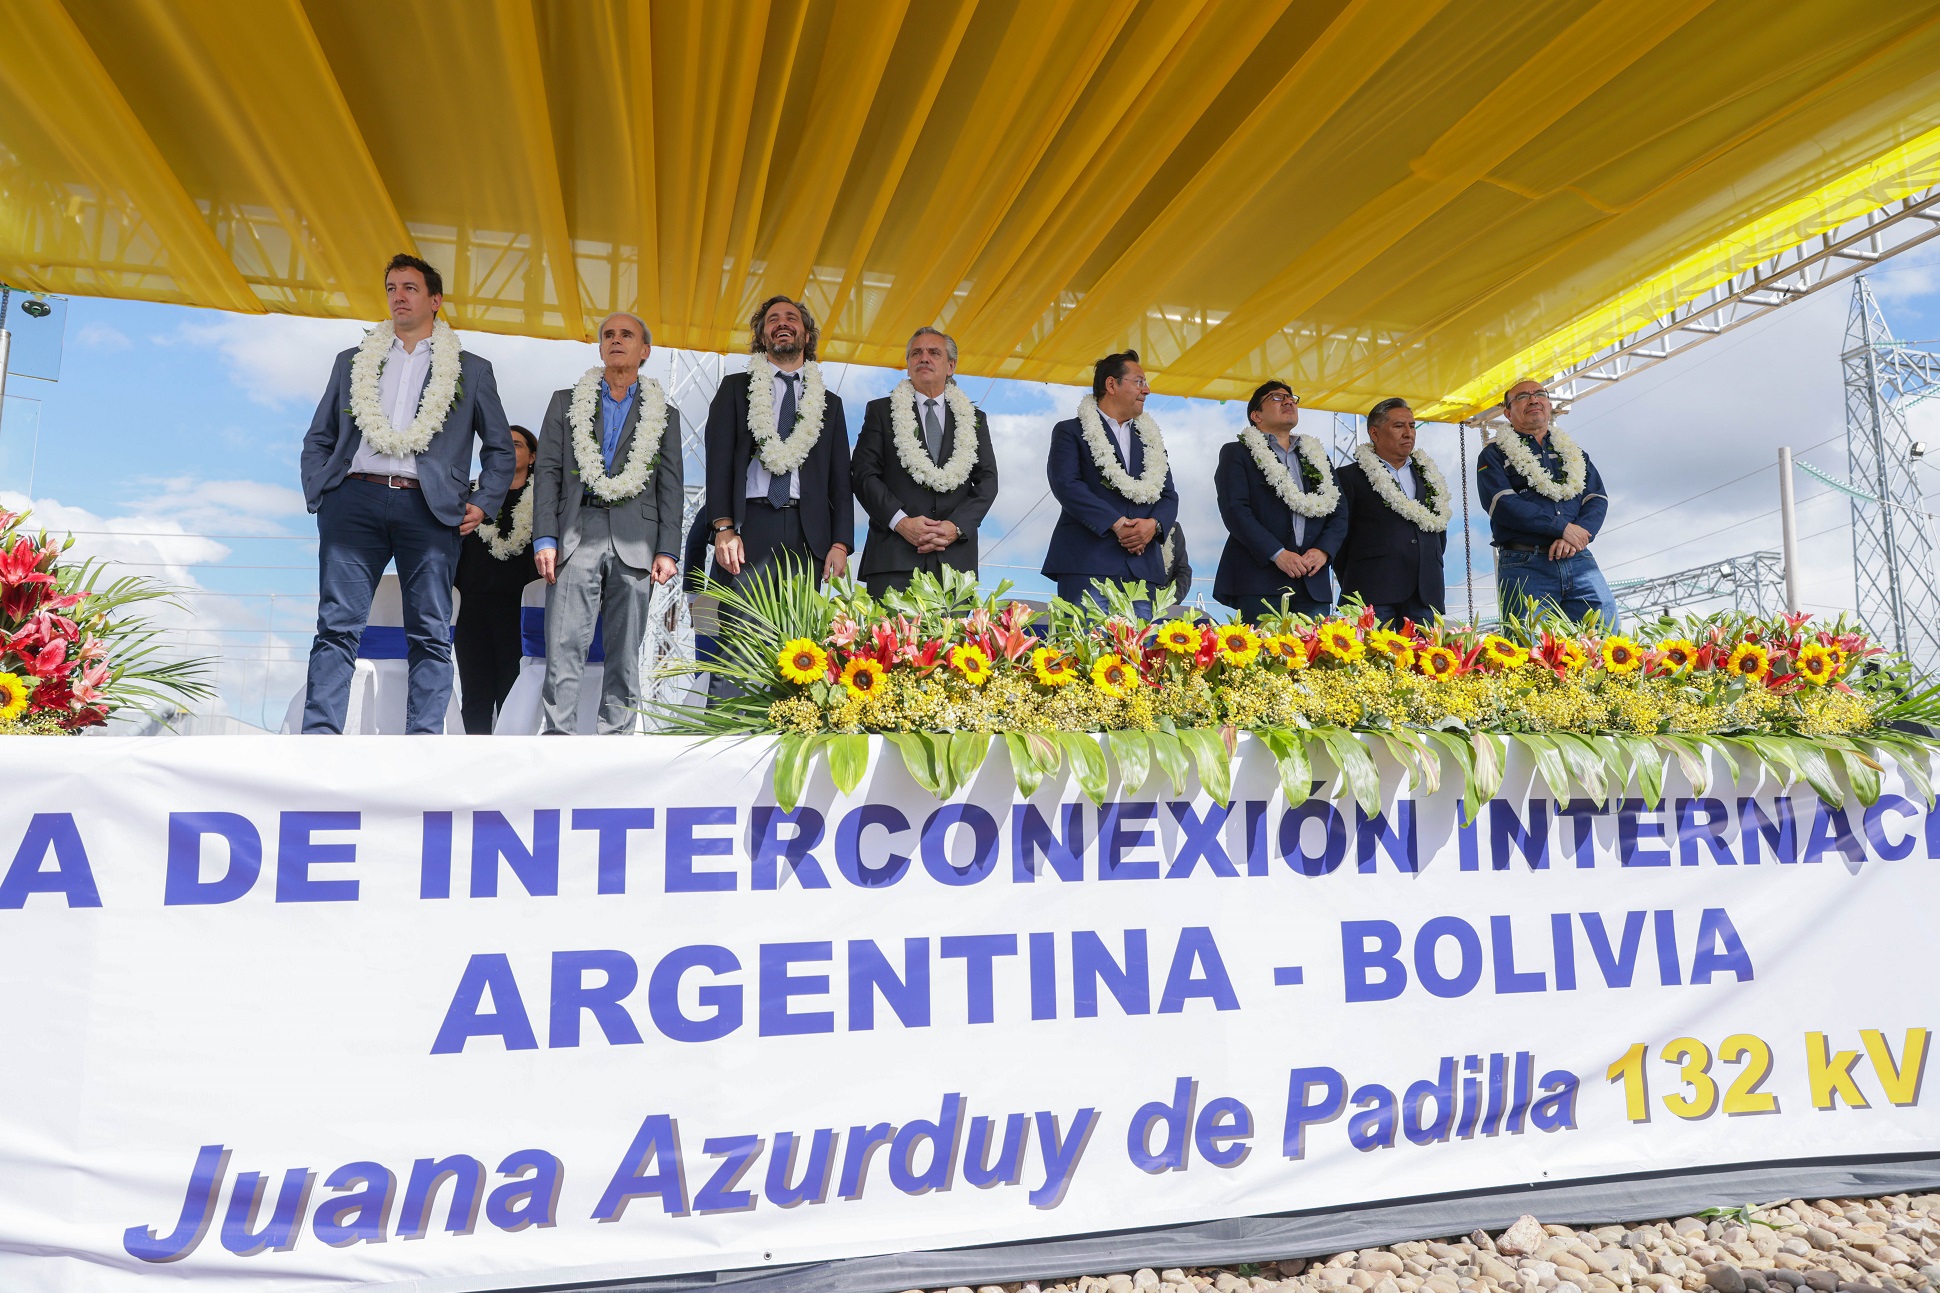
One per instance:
(1546,503)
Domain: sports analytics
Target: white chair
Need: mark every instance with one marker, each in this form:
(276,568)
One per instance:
(520,714)
(382,681)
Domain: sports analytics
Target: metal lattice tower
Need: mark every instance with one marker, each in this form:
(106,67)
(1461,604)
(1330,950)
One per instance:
(1892,537)
(1755,583)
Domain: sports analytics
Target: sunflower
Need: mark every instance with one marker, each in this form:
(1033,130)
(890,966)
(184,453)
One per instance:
(969,660)
(1238,643)
(1571,655)
(862,676)
(1113,676)
(1394,646)
(1815,665)
(1179,637)
(1287,649)
(1053,667)
(802,662)
(13,696)
(1620,655)
(1502,653)
(1679,655)
(1338,640)
(1750,661)
(1438,662)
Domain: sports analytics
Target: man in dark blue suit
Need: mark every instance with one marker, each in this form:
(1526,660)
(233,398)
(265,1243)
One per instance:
(1284,522)
(387,470)
(1398,509)
(1109,471)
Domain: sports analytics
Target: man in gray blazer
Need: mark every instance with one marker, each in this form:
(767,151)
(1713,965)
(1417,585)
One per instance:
(387,470)
(606,523)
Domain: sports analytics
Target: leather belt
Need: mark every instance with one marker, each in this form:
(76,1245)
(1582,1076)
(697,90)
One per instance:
(393,482)
(1522,547)
(588,498)
(763,502)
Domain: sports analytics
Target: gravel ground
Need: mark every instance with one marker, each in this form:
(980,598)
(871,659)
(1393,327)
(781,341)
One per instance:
(1824,1246)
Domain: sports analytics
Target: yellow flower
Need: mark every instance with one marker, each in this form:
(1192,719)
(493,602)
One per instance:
(968,659)
(1287,649)
(1238,643)
(13,696)
(1750,661)
(862,676)
(1394,646)
(1570,654)
(1621,656)
(1337,639)
(1113,676)
(802,662)
(1815,665)
(1502,653)
(1179,637)
(1678,655)
(1438,662)
(1052,667)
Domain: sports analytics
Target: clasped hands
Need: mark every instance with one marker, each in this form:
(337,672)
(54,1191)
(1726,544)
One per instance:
(1575,539)
(1298,565)
(927,535)
(1135,534)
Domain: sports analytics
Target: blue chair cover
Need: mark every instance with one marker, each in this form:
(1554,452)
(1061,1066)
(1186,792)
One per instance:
(385,642)
(532,635)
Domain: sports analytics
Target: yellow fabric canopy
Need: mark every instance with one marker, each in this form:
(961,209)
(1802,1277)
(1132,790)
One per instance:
(1365,198)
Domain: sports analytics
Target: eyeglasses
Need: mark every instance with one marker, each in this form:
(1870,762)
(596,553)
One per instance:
(1280,397)
(1524,397)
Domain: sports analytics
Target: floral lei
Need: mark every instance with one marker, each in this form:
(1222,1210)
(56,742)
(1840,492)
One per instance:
(367,403)
(910,450)
(781,456)
(1144,488)
(1515,447)
(1313,466)
(507,546)
(641,458)
(1430,513)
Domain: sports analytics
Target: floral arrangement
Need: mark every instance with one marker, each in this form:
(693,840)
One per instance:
(942,671)
(70,651)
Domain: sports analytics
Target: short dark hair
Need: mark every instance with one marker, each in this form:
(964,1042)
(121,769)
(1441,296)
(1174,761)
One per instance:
(531,441)
(758,345)
(434,282)
(1379,413)
(1110,367)
(1258,401)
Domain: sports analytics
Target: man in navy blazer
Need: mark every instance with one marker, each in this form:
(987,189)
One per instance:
(408,499)
(1397,528)
(1116,511)
(1272,550)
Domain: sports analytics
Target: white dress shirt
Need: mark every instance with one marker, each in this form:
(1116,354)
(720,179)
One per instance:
(758,474)
(399,387)
(924,404)
(1403,477)
(1121,432)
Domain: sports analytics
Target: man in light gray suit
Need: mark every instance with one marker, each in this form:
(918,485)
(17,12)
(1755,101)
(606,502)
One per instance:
(606,521)
(387,468)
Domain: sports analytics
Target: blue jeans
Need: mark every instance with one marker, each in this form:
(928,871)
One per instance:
(362,527)
(1573,586)
(1077,589)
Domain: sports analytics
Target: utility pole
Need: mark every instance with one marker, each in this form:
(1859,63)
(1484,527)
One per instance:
(1788,525)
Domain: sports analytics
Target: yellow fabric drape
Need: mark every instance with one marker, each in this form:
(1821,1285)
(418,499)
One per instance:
(1366,198)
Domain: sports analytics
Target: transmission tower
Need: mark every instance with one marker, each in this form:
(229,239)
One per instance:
(1754,583)
(1892,539)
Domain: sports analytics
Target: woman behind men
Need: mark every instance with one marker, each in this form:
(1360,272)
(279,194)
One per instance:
(494,566)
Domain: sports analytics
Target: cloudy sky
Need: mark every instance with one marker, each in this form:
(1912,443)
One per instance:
(170,444)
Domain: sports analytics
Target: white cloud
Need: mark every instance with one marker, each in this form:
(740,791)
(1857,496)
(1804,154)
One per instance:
(102,336)
(275,359)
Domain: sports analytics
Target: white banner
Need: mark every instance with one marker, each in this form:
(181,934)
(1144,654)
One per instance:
(467,1013)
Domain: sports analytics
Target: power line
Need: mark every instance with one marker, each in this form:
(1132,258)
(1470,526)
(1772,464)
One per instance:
(1714,489)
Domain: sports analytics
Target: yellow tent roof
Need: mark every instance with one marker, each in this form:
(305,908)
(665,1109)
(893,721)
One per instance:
(1415,197)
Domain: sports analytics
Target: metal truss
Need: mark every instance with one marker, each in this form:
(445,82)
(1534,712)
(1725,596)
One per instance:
(1754,583)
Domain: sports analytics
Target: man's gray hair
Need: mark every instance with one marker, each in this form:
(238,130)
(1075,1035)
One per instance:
(646,333)
(1378,415)
(949,342)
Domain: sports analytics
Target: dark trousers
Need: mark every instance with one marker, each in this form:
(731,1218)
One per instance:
(361,527)
(1413,609)
(1078,589)
(773,548)
(487,647)
(1251,607)
(887,581)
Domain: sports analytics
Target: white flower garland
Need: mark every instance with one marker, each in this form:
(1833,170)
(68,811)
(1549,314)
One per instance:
(781,456)
(915,457)
(367,402)
(1322,501)
(505,547)
(641,459)
(1141,489)
(1378,475)
(1515,447)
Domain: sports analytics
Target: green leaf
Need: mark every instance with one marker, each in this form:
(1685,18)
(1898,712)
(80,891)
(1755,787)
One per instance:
(939,748)
(848,755)
(1550,767)
(1649,763)
(1861,773)
(1690,760)
(1134,757)
(792,753)
(918,760)
(1915,761)
(1817,769)
(1587,765)
(1488,764)
(1209,751)
(967,752)
(1422,765)
(1169,752)
(1289,750)
(1023,764)
(1359,776)
(1463,753)
(1087,763)
(1616,760)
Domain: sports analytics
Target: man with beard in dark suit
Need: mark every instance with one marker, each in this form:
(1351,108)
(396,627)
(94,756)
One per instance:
(924,471)
(1397,507)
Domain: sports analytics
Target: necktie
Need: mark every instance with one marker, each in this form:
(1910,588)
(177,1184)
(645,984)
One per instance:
(932,431)
(784,424)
